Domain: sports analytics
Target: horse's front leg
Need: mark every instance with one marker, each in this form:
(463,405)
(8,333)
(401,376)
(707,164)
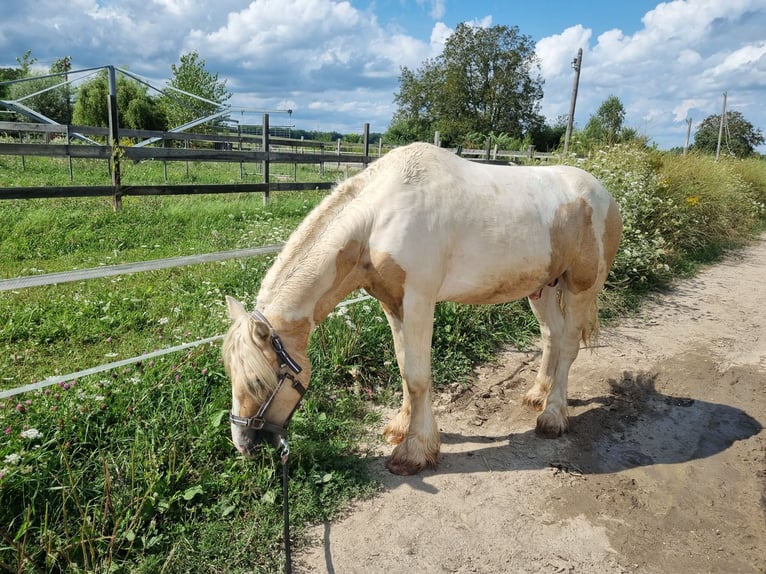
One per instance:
(414,428)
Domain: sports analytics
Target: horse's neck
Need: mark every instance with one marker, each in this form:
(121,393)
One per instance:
(317,267)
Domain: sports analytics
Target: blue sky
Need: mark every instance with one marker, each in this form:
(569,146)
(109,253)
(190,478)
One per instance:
(336,63)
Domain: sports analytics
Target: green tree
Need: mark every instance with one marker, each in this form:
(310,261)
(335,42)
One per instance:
(9,74)
(192,77)
(547,137)
(605,126)
(135,108)
(486,80)
(49,96)
(740,137)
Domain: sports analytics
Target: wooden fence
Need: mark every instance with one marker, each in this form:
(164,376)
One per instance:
(174,146)
(64,141)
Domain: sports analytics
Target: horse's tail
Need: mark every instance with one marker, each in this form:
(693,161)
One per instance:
(590,330)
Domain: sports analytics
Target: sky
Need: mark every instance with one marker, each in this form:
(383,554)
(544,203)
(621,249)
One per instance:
(336,64)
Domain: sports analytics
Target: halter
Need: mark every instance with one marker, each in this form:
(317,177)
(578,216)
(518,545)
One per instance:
(260,420)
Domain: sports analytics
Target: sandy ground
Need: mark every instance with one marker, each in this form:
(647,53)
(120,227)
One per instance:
(663,470)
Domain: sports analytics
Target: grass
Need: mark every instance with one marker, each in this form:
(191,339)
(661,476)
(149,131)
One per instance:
(133,470)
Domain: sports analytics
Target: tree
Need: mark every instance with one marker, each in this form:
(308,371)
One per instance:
(740,137)
(8,74)
(605,126)
(192,77)
(486,80)
(547,137)
(51,100)
(136,109)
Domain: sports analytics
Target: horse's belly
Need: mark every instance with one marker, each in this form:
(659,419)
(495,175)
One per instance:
(494,286)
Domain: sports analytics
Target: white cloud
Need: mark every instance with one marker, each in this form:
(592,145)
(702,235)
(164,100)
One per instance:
(484,22)
(557,52)
(681,111)
(747,60)
(438,8)
(687,53)
(688,57)
(439,36)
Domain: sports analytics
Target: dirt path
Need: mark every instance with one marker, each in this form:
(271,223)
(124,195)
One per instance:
(664,469)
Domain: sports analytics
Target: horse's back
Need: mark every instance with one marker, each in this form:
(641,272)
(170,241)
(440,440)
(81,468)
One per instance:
(481,233)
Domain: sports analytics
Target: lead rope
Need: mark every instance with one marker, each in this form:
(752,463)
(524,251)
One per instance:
(286,504)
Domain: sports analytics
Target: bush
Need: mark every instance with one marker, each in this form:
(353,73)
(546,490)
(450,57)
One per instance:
(677,210)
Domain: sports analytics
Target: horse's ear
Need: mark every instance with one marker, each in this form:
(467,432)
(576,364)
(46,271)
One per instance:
(259,331)
(236,309)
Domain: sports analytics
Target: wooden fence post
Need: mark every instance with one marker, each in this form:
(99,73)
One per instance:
(366,160)
(239,147)
(69,157)
(114,139)
(265,144)
(23,158)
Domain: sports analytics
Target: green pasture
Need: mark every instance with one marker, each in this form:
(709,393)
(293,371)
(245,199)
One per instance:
(132,470)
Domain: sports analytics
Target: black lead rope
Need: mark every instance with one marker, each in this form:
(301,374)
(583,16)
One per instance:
(286,504)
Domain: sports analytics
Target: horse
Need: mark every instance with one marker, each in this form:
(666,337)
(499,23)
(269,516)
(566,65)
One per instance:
(418,226)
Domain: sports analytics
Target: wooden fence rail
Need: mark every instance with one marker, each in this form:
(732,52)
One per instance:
(240,148)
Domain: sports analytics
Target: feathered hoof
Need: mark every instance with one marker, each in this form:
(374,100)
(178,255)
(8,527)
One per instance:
(551,425)
(403,463)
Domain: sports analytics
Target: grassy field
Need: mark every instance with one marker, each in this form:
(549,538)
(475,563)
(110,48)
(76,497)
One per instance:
(133,470)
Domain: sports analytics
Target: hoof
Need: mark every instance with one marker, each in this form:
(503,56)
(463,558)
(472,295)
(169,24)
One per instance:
(406,460)
(550,425)
(403,468)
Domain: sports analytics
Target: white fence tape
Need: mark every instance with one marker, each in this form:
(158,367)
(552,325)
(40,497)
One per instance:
(126,268)
(116,364)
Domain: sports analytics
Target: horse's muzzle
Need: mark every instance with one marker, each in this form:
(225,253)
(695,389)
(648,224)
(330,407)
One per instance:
(249,442)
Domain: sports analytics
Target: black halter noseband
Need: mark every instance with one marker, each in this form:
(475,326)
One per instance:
(260,421)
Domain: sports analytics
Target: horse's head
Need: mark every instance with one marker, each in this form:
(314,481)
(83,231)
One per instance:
(264,392)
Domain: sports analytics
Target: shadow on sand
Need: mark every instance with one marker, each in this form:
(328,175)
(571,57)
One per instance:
(632,426)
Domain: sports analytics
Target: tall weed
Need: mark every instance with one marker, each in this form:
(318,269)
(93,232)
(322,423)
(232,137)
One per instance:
(678,211)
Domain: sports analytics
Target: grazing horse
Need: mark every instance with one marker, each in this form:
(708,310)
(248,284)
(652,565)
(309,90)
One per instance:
(422,225)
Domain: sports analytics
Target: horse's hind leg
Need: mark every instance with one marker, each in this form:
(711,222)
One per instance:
(414,428)
(548,312)
(563,327)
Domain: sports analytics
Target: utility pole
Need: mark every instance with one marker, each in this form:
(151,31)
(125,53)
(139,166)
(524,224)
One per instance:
(576,65)
(720,128)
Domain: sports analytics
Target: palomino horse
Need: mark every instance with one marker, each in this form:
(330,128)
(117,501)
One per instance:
(422,225)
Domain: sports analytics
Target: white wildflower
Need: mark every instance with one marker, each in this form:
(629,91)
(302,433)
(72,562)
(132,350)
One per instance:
(13,458)
(31,434)
(162,320)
